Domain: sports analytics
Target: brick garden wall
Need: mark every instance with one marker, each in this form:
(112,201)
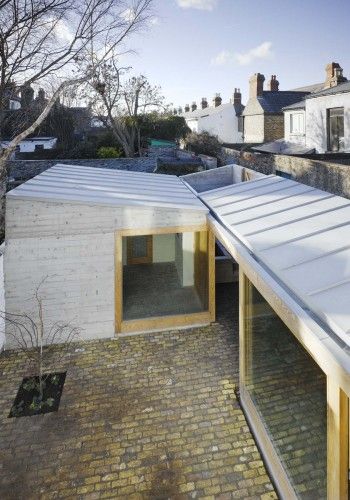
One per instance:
(331,177)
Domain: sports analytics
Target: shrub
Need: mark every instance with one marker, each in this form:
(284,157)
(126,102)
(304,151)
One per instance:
(109,152)
(203,143)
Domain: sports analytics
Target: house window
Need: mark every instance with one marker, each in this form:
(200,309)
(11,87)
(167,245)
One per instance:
(297,123)
(240,124)
(335,129)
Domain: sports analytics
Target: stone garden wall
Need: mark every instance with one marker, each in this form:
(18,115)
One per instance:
(22,170)
(331,177)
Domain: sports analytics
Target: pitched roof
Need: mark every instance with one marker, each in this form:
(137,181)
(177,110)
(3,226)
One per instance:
(274,102)
(212,110)
(90,186)
(316,87)
(296,105)
(338,89)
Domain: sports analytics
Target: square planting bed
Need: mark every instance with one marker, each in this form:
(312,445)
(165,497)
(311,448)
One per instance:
(28,401)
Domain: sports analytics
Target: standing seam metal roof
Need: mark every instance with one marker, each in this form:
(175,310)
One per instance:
(301,234)
(89,185)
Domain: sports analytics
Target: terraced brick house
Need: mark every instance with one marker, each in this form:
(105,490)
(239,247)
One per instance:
(263,113)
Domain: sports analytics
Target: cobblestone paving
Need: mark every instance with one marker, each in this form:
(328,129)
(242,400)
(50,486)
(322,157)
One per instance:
(143,417)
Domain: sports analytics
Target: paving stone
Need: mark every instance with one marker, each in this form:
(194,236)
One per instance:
(101,443)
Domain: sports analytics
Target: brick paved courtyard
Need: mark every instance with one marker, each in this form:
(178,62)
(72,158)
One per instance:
(152,416)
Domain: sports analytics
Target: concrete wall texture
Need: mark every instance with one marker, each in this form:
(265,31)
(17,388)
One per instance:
(331,177)
(74,245)
(2,298)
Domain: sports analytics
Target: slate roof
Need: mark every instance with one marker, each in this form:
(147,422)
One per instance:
(338,89)
(316,87)
(296,105)
(274,102)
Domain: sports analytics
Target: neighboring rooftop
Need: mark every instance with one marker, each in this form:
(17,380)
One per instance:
(212,110)
(337,89)
(281,146)
(89,185)
(274,102)
(316,87)
(296,105)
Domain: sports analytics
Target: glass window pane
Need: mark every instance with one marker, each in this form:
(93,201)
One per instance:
(165,274)
(288,390)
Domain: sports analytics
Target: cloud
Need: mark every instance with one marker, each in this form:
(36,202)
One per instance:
(224,57)
(197,4)
(262,51)
(128,15)
(154,21)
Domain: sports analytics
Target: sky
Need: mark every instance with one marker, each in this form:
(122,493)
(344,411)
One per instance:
(196,48)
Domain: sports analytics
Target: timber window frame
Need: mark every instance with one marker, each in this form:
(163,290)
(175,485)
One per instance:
(170,321)
(337,411)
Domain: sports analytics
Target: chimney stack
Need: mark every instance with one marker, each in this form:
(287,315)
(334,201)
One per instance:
(334,75)
(273,84)
(187,108)
(204,103)
(27,96)
(179,109)
(194,106)
(256,85)
(217,100)
(237,97)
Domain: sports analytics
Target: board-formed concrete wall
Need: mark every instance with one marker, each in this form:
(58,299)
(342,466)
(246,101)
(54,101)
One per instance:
(331,177)
(74,245)
(2,297)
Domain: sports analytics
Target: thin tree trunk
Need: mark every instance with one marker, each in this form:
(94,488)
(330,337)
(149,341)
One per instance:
(41,340)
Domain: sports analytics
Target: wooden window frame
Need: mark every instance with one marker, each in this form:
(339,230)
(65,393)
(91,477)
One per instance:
(328,355)
(337,413)
(162,322)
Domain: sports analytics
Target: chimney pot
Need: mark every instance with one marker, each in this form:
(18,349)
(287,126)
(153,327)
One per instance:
(187,108)
(217,100)
(194,106)
(204,103)
(237,97)
(273,84)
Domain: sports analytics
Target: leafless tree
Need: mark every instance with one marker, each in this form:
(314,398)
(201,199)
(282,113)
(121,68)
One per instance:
(118,102)
(50,42)
(43,346)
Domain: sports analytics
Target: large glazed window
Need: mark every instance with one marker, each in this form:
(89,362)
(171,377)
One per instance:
(289,393)
(165,275)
